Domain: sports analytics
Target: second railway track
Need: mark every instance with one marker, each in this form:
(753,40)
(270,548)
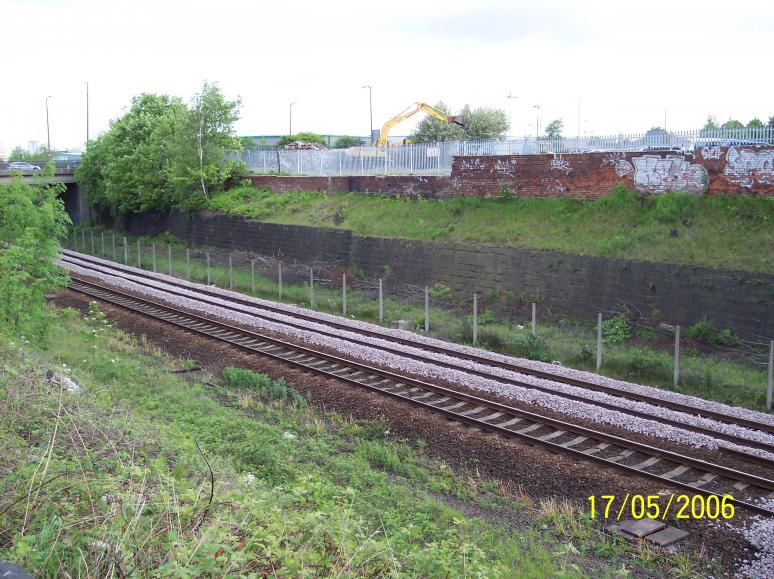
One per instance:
(675,470)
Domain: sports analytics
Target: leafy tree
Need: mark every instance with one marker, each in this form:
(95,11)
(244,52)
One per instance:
(32,220)
(306,137)
(711,124)
(345,141)
(203,136)
(128,169)
(19,154)
(732,124)
(480,123)
(771,121)
(554,129)
(755,123)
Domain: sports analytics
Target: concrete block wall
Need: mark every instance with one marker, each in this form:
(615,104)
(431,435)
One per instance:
(579,285)
(403,185)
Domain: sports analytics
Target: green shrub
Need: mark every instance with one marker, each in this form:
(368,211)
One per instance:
(706,333)
(616,330)
(673,207)
(440,291)
(530,347)
(263,385)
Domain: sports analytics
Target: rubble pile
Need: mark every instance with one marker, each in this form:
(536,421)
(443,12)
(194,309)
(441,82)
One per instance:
(302,146)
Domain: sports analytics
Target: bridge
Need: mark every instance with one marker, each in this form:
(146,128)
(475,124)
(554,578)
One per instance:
(64,172)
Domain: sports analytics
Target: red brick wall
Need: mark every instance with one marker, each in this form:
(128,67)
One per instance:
(408,185)
(711,170)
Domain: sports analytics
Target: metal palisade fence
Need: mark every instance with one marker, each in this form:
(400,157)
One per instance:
(436,158)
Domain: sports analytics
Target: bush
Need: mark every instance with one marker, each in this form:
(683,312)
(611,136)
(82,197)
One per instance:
(673,207)
(530,347)
(706,333)
(305,137)
(616,330)
(263,385)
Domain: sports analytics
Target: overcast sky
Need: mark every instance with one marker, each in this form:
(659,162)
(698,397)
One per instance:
(624,62)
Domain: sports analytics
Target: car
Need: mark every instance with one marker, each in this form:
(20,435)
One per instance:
(22,166)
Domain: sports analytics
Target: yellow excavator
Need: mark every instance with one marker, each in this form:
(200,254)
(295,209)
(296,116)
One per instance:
(382,141)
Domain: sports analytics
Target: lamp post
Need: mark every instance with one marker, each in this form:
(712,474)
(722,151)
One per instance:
(370,113)
(510,98)
(290,128)
(537,120)
(48,130)
(87,112)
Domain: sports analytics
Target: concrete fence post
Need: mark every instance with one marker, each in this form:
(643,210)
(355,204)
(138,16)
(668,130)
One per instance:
(139,259)
(599,341)
(113,241)
(279,280)
(187,264)
(344,293)
(83,240)
(208,268)
(381,301)
(427,310)
(102,243)
(677,355)
(91,233)
(252,275)
(770,389)
(534,320)
(126,251)
(311,288)
(169,258)
(475,319)
(153,255)
(230,273)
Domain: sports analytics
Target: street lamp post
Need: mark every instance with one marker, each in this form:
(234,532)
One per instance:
(290,128)
(537,120)
(48,130)
(370,113)
(87,112)
(510,98)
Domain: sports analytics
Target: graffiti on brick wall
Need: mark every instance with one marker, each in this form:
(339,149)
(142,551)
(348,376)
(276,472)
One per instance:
(619,163)
(474,164)
(552,186)
(559,163)
(654,174)
(746,166)
(711,153)
(504,167)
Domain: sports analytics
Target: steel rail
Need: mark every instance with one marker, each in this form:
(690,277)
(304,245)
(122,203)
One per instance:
(687,409)
(306,358)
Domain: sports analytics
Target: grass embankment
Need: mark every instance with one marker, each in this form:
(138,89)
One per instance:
(734,232)
(714,364)
(115,479)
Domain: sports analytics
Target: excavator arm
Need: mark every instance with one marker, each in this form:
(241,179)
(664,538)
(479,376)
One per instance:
(412,110)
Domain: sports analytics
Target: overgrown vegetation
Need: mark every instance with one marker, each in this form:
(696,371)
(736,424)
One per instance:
(733,232)
(32,221)
(162,153)
(264,386)
(140,473)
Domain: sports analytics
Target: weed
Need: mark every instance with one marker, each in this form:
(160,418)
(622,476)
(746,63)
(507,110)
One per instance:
(616,330)
(263,385)
(706,333)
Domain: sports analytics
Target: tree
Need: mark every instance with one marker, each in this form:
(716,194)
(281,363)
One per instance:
(129,168)
(203,136)
(771,121)
(32,221)
(480,123)
(303,137)
(19,154)
(755,123)
(346,141)
(732,124)
(554,129)
(711,124)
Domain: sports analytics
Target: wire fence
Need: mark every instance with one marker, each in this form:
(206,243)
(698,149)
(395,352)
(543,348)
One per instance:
(624,343)
(436,158)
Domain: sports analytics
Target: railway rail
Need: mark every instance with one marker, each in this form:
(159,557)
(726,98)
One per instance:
(240,305)
(670,468)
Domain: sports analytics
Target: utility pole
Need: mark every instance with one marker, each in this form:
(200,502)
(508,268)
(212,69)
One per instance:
(48,130)
(290,127)
(370,113)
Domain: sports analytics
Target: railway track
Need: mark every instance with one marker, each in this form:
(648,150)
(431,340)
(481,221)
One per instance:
(302,323)
(670,468)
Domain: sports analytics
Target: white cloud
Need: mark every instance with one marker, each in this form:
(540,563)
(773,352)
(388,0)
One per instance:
(625,62)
